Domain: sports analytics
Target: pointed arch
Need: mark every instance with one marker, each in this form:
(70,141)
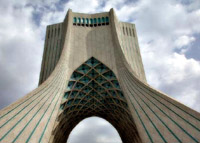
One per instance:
(93,90)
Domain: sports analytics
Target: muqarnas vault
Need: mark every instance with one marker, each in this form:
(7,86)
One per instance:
(92,67)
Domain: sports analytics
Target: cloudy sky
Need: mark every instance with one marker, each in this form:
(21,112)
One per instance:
(169,38)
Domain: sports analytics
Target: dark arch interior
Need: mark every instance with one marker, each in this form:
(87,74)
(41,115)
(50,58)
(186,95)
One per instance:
(93,90)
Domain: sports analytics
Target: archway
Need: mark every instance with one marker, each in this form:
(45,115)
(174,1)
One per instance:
(94,130)
(93,90)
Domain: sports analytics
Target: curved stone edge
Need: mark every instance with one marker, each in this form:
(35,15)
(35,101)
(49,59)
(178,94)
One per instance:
(170,121)
(27,120)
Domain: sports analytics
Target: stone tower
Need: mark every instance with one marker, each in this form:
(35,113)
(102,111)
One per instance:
(92,67)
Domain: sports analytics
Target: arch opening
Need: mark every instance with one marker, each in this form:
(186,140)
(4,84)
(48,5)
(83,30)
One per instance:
(93,130)
(93,90)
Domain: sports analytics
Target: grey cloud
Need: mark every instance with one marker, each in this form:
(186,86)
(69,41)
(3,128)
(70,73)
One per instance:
(20,54)
(94,132)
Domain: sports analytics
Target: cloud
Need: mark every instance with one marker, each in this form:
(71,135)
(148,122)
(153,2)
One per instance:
(94,130)
(86,6)
(183,41)
(166,33)
(21,52)
(180,79)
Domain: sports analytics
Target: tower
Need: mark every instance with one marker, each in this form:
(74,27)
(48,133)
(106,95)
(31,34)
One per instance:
(92,67)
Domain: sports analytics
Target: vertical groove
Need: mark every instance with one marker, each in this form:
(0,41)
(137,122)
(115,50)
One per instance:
(176,123)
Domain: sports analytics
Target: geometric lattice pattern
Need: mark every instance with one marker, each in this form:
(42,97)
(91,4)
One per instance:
(93,90)
(92,86)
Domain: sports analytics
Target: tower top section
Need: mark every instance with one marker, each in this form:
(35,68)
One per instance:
(89,33)
(91,19)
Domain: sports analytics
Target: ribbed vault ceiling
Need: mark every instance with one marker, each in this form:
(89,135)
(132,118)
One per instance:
(93,90)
